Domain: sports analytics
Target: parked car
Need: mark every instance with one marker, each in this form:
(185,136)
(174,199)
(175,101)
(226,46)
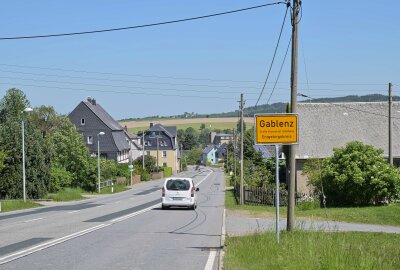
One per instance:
(180,192)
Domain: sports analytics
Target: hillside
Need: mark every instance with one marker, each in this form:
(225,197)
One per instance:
(267,108)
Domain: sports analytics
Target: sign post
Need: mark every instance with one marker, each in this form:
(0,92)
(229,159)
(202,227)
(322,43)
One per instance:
(276,129)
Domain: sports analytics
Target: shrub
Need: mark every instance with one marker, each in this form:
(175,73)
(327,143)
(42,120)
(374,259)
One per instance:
(167,171)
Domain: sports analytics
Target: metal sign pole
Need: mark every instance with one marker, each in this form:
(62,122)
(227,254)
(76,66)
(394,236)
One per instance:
(277,190)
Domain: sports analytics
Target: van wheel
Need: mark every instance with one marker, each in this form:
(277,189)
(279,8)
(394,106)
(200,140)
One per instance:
(163,207)
(193,207)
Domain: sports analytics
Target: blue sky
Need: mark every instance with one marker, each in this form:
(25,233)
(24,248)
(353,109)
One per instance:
(345,47)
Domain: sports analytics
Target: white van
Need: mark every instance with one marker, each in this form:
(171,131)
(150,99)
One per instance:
(179,192)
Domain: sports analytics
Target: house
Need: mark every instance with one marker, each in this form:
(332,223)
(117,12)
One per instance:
(324,126)
(209,155)
(220,138)
(116,143)
(268,151)
(161,143)
(221,152)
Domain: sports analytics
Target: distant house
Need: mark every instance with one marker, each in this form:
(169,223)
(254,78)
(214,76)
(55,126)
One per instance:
(90,119)
(161,143)
(220,138)
(221,152)
(324,126)
(209,155)
(268,151)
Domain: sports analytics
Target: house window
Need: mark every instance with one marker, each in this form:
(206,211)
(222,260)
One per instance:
(164,153)
(82,121)
(152,134)
(164,164)
(147,143)
(89,139)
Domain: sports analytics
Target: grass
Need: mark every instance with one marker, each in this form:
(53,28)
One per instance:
(381,215)
(313,250)
(14,205)
(68,194)
(210,125)
(117,188)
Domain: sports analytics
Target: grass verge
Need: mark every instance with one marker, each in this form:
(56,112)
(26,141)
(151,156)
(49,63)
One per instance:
(381,215)
(14,205)
(117,188)
(68,194)
(313,250)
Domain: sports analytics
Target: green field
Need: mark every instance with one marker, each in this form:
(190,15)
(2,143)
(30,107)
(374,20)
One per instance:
(211,125)
(313,250)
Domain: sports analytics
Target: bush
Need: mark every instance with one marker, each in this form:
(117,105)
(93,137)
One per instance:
(356,174)
(59,179)
(167,171)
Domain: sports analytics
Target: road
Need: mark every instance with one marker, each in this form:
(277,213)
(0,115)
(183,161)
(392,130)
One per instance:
(126,230)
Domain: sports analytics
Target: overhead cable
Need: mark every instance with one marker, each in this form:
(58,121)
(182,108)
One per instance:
(140,26)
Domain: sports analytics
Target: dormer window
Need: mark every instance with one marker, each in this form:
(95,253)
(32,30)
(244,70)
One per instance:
(82,121)
(89,139)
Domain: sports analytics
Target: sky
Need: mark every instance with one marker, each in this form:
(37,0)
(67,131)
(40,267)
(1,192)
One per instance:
(201,66)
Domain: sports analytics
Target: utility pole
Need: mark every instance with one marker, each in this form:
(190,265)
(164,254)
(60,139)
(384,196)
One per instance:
(234,153)
(181,158)
(143,150)
(390,125)
(241,149)
(157,152)
(293,109)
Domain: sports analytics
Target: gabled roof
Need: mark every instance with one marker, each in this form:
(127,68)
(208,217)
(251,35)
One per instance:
(169,131)
(323,126)
(208,149)
(103,115)
(267,151)
(222,148)
(120,140)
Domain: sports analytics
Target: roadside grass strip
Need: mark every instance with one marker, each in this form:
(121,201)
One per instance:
(14,205)
(313,250)
(380,215)
(65,195)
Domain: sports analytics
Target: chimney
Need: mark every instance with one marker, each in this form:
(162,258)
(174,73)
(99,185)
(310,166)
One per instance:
(91,100)
(151,125)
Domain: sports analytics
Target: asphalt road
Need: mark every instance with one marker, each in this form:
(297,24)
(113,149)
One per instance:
(126,230)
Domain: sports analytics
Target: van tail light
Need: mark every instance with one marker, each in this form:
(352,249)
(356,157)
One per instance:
(163,192)
(192,192)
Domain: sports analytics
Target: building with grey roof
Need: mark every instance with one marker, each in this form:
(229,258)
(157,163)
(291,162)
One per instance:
(90,119)
(325,126)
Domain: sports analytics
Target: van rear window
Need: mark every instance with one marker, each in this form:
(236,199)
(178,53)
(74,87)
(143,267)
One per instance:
(178,184)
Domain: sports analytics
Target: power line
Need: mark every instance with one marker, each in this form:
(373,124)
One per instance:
(280,70)
(183,78)
(126,81)
(117,92)
(273,57)
(141,26)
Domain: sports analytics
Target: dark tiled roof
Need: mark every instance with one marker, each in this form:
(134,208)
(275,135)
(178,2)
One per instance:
(267,151)
(323,126)
(120,140)
(222,148)
(208,149)
(103,116)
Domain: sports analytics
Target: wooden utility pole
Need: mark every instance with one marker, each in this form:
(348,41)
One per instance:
(143,150)
(241,149)
(234,153)
(293,109)
(390,125)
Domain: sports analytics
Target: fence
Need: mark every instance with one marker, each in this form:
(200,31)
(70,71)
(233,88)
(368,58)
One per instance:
(264,196)
(106,183)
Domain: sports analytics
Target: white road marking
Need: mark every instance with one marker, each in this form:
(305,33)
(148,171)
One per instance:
(100,206)
(201,181)
(210,261)
(117,202)
(71,212)
(28,251)
(31,220)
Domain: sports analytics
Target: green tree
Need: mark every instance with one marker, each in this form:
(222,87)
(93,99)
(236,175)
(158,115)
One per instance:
(2,159)
(70,152)
(204,137)
(36,153)
(356,174)
(202,126)
(190,138)
(149,163)
(193,156)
